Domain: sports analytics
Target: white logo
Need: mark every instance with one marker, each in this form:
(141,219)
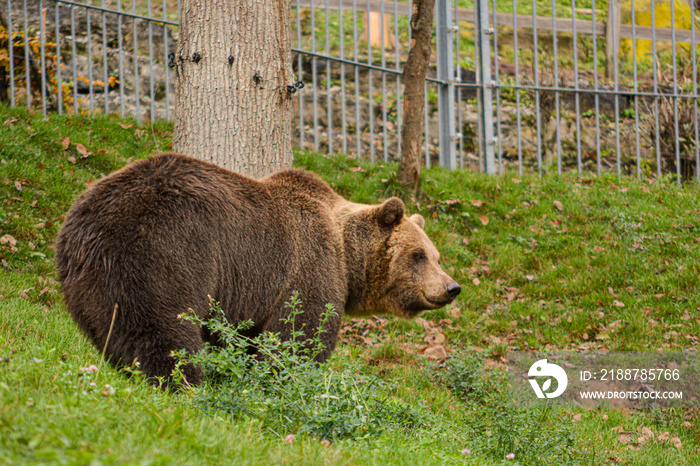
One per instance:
(543,369)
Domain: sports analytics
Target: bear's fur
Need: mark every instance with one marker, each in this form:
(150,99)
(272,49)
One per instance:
(159,236)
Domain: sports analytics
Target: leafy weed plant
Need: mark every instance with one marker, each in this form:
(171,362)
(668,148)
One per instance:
(281,385)
(539,436)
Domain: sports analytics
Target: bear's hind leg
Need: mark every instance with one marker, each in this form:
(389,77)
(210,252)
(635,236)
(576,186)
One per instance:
(153,350)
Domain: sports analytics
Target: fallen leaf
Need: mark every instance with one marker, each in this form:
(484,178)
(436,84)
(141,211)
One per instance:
(558,205)
(578,417)
(618,303)
(65,143)
(8,239)
(81,148)
(126,125)
(476,202)
(676,441)
(647,432)
(476,281)
(18,185)
(71,159)
(465,241)
(484,220)
(530,277)
(663,437)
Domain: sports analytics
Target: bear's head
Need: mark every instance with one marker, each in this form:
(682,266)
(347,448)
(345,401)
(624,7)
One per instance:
(403,277)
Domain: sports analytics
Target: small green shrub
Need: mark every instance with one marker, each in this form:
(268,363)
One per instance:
(535,436)
(285,389)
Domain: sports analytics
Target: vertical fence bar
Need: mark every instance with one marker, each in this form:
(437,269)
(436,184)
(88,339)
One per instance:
(674,98)
(479,147)
(596,96)
(656,90)
(358,132)
(497,80)
(370,115)
(446,88)
(696,123)
(614,12)
(105,63)
(166,68)
(42,59)
(137,97)
(636,90)
(458,96)
(518,116)
(151,84)
(343,108)
(11,52)
(313,75)
(59,82)
(397,64)
(555,85)
(27,62)
(536,72)
(74,54)
(576,87)
(382,38)
(329,112)
(120,39)
(300,77)
(89,58)
(483,30)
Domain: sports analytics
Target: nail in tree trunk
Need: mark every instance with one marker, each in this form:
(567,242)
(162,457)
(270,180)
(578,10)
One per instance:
(233,67)
(415,70)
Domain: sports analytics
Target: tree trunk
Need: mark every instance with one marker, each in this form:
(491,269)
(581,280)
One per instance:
(234,84)
(415,70)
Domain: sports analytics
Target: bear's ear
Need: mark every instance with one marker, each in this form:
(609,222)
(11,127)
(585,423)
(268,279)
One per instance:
(391,212)
(418,220)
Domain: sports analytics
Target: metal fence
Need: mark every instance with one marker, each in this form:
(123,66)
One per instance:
(514,84)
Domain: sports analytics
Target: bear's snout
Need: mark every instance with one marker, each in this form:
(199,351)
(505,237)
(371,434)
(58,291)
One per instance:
(453,289)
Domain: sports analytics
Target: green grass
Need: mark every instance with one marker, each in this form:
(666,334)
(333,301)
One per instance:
(535,273)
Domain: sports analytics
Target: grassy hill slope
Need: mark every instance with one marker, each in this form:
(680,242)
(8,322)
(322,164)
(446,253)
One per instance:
(559,262)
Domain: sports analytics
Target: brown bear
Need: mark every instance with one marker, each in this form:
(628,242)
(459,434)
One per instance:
(156,238)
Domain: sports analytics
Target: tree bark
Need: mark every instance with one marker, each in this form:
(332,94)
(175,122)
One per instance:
(415,70)
(234,73)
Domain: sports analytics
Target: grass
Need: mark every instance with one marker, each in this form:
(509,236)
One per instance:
(559,262)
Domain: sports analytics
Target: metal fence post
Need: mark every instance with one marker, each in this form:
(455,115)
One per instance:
(484,79)
(446,89)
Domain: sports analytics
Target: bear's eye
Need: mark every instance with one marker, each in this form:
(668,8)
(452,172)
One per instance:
(419,256)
